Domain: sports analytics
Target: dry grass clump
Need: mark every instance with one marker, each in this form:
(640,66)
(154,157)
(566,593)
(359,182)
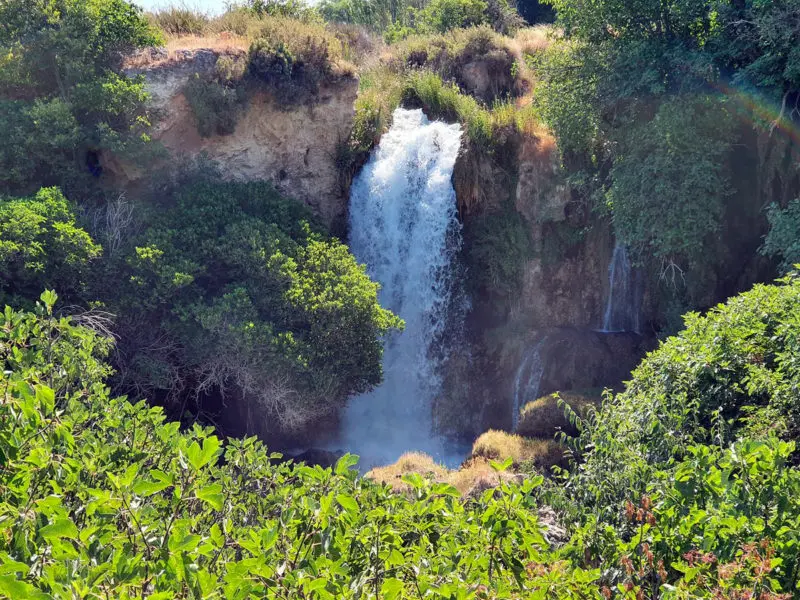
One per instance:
(236,29)
(410,462)
(533,40)
(500,445)
(477,475)
(180,21)
(542,418)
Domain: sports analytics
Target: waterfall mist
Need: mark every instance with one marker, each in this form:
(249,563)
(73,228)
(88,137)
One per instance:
(404,227)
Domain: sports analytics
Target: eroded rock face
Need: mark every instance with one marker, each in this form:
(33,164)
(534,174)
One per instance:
(562,292)
(294,147)
(564,281)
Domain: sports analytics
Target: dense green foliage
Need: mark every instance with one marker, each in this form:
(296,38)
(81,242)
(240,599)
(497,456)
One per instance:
(62,92)
(233,289)
(294,75)
(103,496)
(216,104)
(41,247)
(399,19)
(119,500)
(231,300)
(255,309)
(732,372)
(644,99)
(499,248)
(669,179)
(783,239)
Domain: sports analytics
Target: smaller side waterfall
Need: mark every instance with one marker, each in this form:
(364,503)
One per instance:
(624,294)
(528,380)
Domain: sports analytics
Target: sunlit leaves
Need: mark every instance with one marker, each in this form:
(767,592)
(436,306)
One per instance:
(128,502)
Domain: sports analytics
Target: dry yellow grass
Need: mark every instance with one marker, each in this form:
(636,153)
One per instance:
(410,462)
(234,31)
(500,445)
(477,475)
(532,40)
(175,49)
(542,418)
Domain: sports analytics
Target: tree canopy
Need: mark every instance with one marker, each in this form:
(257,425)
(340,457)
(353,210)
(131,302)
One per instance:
(61,89)
(247,296)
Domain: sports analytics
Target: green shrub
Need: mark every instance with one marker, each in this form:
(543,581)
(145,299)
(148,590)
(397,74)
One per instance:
(498,246)
(271,62)
(670,181)
(732,372)
(284,8)
(255,301)
(721,523)
(294,74)
(42,246)
(215,106)
(398,20)
(444,15)
(783,239)
(67,95)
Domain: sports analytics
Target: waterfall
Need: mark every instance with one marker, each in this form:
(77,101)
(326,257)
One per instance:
(624,294)
(528,380)
(404,227)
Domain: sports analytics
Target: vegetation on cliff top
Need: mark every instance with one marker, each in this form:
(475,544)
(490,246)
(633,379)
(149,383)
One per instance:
(220,293)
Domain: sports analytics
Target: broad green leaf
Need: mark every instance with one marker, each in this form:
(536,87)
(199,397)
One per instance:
(391,588)
(347,502)
(344,464)
(61,528)
(212,494)
(148,488)
(502,466)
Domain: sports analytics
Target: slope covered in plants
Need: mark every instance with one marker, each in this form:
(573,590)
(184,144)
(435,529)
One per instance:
(104,496)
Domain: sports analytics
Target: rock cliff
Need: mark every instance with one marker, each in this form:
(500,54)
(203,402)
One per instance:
(295,147)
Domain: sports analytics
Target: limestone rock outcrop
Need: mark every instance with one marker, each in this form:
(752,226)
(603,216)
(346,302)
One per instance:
(293,146)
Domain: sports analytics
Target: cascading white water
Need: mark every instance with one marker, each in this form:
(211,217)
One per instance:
(404,227)
(624,294)
(528,380)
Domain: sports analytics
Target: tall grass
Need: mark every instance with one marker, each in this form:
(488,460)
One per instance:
(180,20)
(239,27)
(487,127)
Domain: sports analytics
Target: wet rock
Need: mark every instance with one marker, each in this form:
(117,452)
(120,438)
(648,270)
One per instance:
(318,457)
